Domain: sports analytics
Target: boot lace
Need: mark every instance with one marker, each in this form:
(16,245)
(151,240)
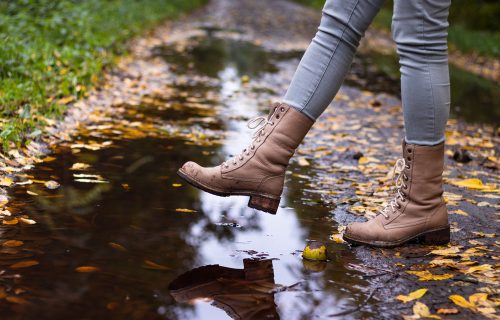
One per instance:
(397,171)
(258,124)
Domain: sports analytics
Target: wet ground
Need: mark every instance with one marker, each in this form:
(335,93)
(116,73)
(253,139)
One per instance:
(123,237)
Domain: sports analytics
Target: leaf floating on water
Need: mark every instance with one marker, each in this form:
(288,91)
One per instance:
(176,185)
(315,251)
(91,181)
(337,238)
(11,222)
(31,193)
(27,221)
(86,269)
(117,246)
(17,300)
(6,182)
(12,243)
(24,264)
(417,294)
(184,210)
(79,166)
(148,264)
(52,184)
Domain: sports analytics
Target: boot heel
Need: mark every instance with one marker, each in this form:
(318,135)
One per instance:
(437,237)
(264,203)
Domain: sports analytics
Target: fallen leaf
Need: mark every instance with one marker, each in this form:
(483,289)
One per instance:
(460,212)
(117,246)
(11,222)
(27,221)
(24,264)
(447,311)
(480,268)
(17,300)
(79,166)
(176,185)
(184,210)
(303,162)
(6,182)
(428,276)
(460,301)
(337,238)
(86,269)
(451,251)
(148,264)
(52,185)
(12,243)
(421,310)
(412,296)
(31,193)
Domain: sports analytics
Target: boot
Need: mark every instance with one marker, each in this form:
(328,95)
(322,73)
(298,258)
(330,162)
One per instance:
(418,211)
(259,170)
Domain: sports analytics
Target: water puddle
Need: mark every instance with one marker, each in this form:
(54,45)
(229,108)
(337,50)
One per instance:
(125,238)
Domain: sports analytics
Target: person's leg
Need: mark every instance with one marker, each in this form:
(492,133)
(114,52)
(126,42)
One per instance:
(420,31)
(418,211)
(328,58)
(259,170)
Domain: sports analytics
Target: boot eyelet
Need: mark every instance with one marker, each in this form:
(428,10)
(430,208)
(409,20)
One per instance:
(252,147)
(409,159)
(277,116)
(405,186)
(282,109)
(407,166)
(405,177)
(409,150)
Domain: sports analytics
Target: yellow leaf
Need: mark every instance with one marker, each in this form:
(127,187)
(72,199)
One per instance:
(337,238)
(478,298)
(184,210)
(412,296)
(481,268)
(31,193)
(117,246)
(153,265)
(315,251)
(6,182)
(86,269)
(10,222)
(303,162)
(447,311)
(79,166)
(12,243)
(421,310)
(17,300)
(24,264)
(460,212)
(428,276)
(176,185)
(461,302)
(474,184)
(27,221)
(451,251)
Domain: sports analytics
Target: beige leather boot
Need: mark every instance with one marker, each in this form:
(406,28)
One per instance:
(259,170)
(418,211)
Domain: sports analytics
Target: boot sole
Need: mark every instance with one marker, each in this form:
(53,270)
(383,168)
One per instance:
(437,236)
(257,201)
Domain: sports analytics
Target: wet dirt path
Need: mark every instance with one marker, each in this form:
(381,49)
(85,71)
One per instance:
(113,239)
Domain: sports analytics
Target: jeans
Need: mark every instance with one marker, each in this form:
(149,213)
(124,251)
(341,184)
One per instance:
(419,28)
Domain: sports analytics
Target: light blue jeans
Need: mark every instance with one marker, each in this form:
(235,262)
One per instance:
(419,28)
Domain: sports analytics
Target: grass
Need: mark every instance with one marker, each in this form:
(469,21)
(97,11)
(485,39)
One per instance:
(52,52)
(484,41)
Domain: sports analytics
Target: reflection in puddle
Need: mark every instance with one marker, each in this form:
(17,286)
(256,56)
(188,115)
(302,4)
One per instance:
(130,234)
(245,294)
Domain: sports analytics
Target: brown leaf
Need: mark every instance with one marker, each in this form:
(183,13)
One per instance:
(24,264)
(86,269)
(12,243)
(148,264)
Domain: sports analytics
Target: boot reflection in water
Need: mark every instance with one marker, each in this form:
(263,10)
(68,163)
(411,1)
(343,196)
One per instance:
(244,294)
(417,211)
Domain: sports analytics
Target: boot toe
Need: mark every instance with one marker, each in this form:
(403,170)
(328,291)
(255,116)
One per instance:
(191,168)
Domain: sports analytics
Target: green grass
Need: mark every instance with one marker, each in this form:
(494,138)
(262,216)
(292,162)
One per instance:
(52,50)
(468,32)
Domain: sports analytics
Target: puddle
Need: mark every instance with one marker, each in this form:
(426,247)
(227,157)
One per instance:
(133,241)
(210,55)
